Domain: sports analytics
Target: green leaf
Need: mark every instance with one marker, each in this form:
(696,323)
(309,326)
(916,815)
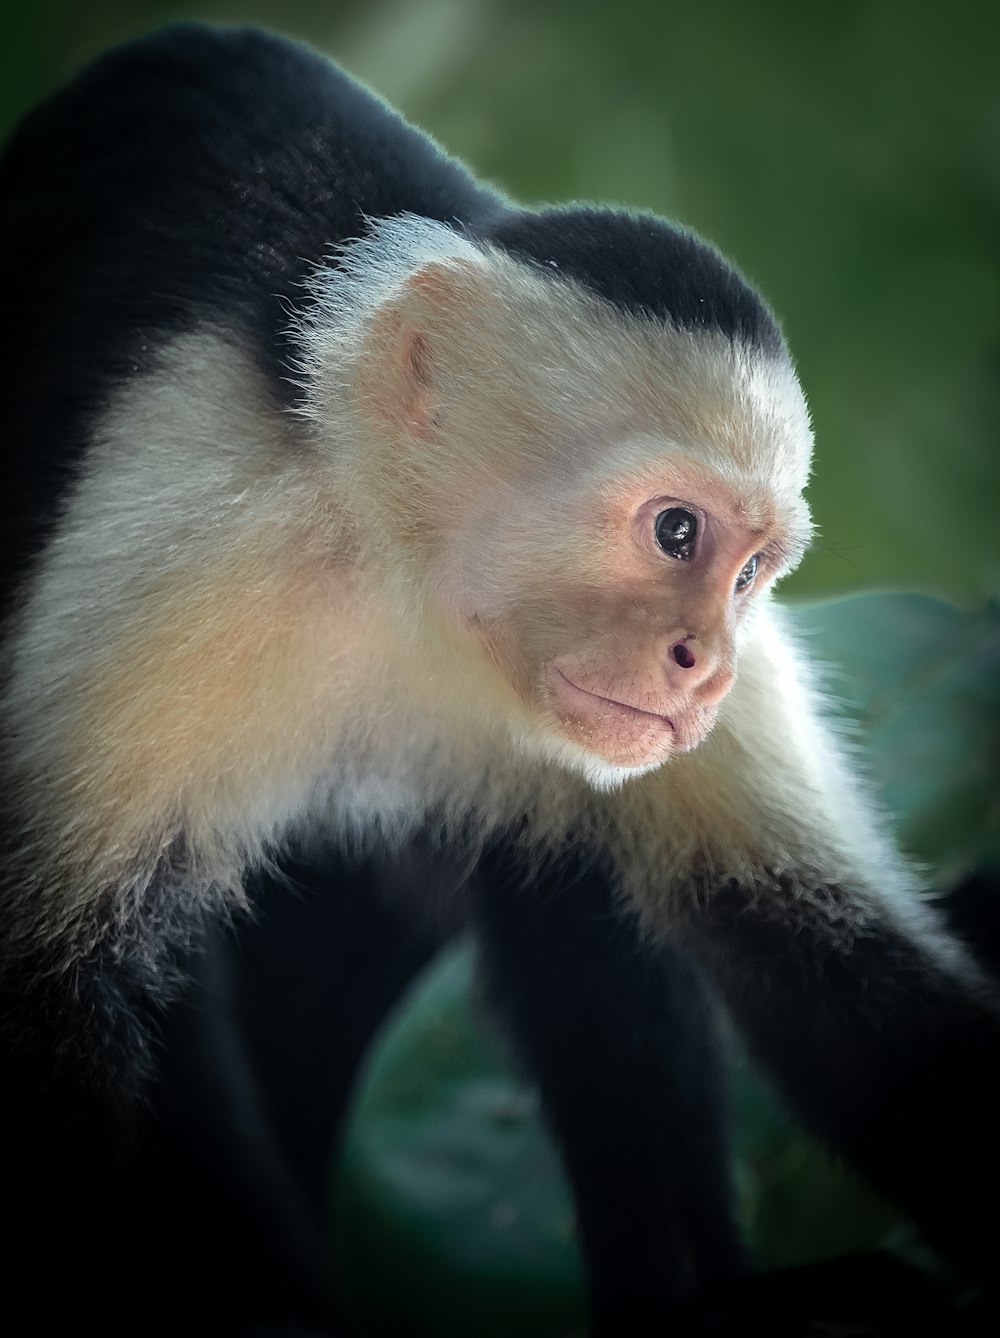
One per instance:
(448,1184)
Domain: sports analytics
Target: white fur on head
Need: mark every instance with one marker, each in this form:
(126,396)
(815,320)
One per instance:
(541,393)
(214,646)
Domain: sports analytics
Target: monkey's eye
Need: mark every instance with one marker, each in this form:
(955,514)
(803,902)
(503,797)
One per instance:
(675,530)
(747,574)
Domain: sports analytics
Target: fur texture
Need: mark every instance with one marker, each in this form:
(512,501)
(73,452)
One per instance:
(334,481)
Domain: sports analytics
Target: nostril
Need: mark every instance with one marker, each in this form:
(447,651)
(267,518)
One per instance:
(683,656)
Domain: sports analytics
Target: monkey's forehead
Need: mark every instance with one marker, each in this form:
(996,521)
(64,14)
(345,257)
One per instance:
(615,372)
(637,401)
(729,408)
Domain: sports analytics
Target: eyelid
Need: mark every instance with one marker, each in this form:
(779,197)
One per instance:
(655,505)
(775,562)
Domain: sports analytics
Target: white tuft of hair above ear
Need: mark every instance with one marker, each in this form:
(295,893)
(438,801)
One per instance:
(358,281)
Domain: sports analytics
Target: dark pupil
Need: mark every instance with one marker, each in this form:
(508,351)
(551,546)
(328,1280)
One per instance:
(675,531)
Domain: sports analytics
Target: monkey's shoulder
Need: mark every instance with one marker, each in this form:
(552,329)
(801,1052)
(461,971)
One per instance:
(227,127)
(201,171)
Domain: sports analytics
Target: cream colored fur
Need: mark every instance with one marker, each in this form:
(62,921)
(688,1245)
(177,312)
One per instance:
(248,620)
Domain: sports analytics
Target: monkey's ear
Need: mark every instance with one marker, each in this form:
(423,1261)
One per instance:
(408,342)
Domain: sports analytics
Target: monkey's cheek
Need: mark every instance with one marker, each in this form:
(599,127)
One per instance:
(613,731)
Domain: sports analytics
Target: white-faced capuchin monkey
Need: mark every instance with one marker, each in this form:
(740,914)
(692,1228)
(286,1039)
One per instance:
(365,531)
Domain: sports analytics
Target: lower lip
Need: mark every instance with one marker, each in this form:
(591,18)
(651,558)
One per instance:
(632,713)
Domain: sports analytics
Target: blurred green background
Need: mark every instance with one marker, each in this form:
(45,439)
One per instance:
(846,156)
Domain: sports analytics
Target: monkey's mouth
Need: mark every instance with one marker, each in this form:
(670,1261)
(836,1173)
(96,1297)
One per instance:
(618,732)
(630,712)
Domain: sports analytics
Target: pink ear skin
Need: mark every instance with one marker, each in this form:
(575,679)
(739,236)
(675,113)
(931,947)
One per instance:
(418,404)
(396,377)
(393,380)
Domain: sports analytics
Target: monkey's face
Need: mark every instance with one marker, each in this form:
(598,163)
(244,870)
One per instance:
(619,625)
(598,500)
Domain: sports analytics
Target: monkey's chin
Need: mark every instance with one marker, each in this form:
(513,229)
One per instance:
(619,735)
(607,743)
(552,745)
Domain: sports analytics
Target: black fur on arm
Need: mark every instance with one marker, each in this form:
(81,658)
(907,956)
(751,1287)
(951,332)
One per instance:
(888,1056)
(619,1034)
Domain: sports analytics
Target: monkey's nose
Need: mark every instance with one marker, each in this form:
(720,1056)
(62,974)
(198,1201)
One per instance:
(699,672)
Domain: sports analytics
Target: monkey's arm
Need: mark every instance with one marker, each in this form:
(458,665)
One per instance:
(891,1059)
(877,1026)
(619,1033)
